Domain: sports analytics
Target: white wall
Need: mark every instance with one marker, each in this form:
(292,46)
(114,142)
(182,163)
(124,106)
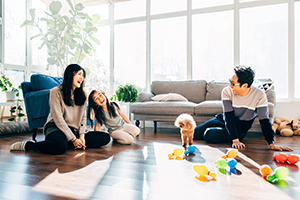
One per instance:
(288,110)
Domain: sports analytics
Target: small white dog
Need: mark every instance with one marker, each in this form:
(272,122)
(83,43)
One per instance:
(187,125)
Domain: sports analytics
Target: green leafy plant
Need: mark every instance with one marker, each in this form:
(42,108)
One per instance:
(126,93)
(67,37)
(7,86)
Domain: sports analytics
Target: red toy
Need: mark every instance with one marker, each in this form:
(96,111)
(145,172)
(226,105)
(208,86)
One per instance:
(281,157)
(292,159)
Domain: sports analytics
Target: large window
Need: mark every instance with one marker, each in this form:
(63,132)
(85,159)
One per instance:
(210,3)
(130,55)
(147,40)
(165,6)
(297,50)
(15,38)
(212,42)
(264,43)
(39,55)
(168,49)
(130,9)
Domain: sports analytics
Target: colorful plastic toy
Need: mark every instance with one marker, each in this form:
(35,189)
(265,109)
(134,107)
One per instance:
(190,150)
(202,171)
(231,162)
(177,154)
(230,154)
(279,174)
(292,159)
(282,158)
(221,163)
(265,170)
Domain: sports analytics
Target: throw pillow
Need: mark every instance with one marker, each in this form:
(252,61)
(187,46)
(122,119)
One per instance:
(264,85)
(169,97)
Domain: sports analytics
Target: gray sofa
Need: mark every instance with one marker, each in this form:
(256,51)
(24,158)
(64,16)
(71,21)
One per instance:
(204,101)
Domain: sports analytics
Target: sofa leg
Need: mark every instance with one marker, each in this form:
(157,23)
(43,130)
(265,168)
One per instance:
(34,134)
(155,126)
(137,123)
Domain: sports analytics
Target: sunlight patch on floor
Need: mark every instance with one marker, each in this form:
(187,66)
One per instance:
(79,184)
(173,174)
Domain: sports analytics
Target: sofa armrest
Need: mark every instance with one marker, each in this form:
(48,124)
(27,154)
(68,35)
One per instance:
(26,88)
(145,96)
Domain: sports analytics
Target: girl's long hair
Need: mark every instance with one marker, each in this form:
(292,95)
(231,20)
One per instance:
(95,111)
(79,94)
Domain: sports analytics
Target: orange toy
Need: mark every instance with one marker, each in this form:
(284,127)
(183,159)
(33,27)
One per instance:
(265,170)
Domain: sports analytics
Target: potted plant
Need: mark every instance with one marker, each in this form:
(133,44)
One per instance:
(11,94)
(68,38)
(125,93)
(6,86)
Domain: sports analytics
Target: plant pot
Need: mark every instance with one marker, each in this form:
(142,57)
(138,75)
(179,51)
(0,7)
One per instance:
(10,96)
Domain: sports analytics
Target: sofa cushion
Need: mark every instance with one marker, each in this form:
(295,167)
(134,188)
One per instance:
(163,108)
(42,82)
(209,107)
(169,97)
(214,89)
(193,90)
(144,96)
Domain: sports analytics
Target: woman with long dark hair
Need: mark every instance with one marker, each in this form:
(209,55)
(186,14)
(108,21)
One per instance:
(66,123)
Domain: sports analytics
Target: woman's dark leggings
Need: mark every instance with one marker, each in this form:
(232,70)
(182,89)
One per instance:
(213,131)
(57,142)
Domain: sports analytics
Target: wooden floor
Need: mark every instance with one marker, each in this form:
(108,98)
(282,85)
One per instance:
(143,171)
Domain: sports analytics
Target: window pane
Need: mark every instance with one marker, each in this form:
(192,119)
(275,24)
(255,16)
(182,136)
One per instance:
(205,3)
(264,43)
(130,9)
(212,46)
(15,37)
(97,66)
(39,56)
(297,49)
(130,55)
(164,6)
(16,77)
(168,49)
(101,10)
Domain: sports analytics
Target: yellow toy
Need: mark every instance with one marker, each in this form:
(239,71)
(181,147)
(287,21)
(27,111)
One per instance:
(176,154)
(202,171)
(230,154)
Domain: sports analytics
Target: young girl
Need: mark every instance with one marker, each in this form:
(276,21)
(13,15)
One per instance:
(66,124)
(110,114)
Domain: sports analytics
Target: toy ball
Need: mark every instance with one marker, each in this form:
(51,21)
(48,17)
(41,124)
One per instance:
(178,152)
(231,162)
(221,163)
(279,173)
(265,170)
(292,159)
(280,157)
(191,149)
(186,153)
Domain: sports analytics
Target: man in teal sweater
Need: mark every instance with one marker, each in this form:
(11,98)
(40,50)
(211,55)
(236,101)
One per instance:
(242,102)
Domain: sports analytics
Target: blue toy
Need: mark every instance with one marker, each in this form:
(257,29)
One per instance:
(231,162)
(190,150)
